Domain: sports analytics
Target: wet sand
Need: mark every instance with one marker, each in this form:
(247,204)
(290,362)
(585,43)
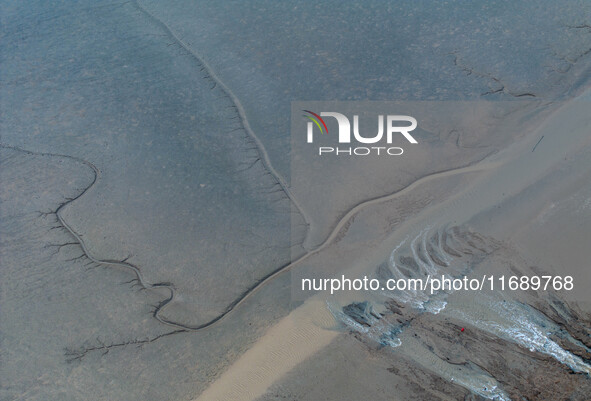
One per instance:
(152,225)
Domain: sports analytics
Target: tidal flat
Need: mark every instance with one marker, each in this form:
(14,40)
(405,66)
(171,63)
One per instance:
(155,212)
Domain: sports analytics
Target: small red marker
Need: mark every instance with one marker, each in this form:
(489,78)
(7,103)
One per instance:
(462,329)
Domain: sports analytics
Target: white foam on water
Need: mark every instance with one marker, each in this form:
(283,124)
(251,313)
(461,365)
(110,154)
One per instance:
(379,330)
(422,300)
(523,325)
(509,320)
(469,376)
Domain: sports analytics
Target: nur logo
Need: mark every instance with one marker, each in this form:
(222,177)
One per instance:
(395,124)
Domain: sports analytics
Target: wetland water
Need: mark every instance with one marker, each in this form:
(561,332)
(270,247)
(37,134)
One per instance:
(154,218)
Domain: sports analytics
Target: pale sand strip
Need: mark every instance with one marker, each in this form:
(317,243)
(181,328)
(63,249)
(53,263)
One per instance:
(288,343)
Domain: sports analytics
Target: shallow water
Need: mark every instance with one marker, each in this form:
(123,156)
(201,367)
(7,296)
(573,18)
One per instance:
(182,191)
(453,253)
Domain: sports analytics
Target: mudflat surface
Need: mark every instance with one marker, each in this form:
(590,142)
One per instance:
(148,195)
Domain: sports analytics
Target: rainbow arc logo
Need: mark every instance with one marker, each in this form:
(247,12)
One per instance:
(316,119)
